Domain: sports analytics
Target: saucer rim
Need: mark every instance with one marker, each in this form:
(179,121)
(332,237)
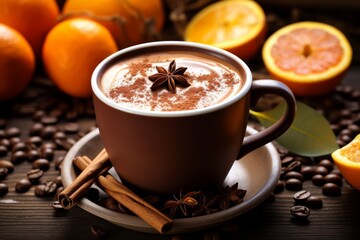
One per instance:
(183,225)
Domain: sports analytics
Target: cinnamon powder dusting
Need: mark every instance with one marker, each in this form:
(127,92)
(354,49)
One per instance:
(209,85)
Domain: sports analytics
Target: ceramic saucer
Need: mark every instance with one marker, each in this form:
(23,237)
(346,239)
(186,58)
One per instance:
(257,173)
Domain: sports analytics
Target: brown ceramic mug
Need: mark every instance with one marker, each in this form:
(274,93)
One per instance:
(166,151)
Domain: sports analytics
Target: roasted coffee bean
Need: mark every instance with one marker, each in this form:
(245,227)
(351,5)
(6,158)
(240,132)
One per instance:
(280,186)
(36,129)
(40,190)
(301,196)
(58,181)
(23,185)
(294,166)
(38,115)
(41,163)
(18,157)
(300,211)
(47,153)
(71,127)
(3,173)
(333,178)
(318,180)
(327,163)
(48,132)
(3,151)
(314,202)
(35,140)
(337,172)
(19,146)
(7,164)
(293,174)
(14,141)
(59,135)
(308,172)
(48,120)
(33,154)
(57,206)
(286,161)
(98,231)
(50,145)
(321,170)
(6,143)
(3,189)
(293,184)
(58,162)
(34,175)
(331,189)
(50,187)
(12,132)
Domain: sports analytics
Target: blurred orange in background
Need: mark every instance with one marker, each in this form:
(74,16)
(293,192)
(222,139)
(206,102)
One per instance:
(129,21)
(32,18)
(17,63)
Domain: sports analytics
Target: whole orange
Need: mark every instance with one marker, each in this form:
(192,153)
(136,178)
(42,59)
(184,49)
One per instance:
(129,21)
(17,63)
(237,26)
(32,18)
(310,57)
(72,50)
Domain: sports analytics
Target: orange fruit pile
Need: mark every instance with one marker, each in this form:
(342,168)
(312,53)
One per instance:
(310,57)
(347,160)
(236,26)
(130,22)
(32,18)
(72,50)
(17,63)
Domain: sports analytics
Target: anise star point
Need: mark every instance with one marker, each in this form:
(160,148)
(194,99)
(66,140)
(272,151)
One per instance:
(170,77)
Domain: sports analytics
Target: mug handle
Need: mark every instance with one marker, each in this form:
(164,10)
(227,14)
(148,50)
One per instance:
(258,89)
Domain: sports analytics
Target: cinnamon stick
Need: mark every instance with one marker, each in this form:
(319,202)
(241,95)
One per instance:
(129,199)
(83,182)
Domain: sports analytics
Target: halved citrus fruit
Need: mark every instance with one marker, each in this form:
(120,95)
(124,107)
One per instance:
(310,57)
(237,26)
(347,159)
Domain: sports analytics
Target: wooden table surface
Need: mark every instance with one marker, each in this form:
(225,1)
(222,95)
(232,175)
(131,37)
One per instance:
(25,216)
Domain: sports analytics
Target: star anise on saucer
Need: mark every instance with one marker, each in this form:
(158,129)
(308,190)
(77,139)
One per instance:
(231,196)
(169,77)
(181,206)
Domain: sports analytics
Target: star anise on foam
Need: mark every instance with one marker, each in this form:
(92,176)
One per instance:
(181,206)
(169,77)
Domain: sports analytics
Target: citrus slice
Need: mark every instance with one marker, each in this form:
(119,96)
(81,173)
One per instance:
(347,160)
(237,26)
(310,57)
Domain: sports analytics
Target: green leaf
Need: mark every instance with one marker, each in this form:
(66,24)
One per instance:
(309,135)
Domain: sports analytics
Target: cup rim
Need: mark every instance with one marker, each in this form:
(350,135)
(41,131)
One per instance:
(97,73)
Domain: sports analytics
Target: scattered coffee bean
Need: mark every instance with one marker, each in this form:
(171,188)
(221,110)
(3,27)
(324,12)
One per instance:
(50,187)
(333,178)
(48,132)
(5,143)
(308,172)
(40,190)
(18,157)
(23,185)
(41,163)
(301,196)
(294,166)
(33,154)
(337,172)
(36,129)
(35,140)
(7,164)
(3,189)
(48,120)
(3,151)
(19,146)
(47,153)
(34,175)
(327,163)
(98,231)
(280,186)
(293,184)
(12,132)
(331,189)
(58,181)
(286,161)
(57,206)
(318,180)
(321,170)
(299,211)
(293,174)
(71,127)
(314,202)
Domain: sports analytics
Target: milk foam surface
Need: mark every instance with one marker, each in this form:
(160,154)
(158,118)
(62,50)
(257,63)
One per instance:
(212,81)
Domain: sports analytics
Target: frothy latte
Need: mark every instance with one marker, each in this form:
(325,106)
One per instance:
(211,81)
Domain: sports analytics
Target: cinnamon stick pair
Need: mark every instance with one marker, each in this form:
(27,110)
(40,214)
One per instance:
(96,170)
